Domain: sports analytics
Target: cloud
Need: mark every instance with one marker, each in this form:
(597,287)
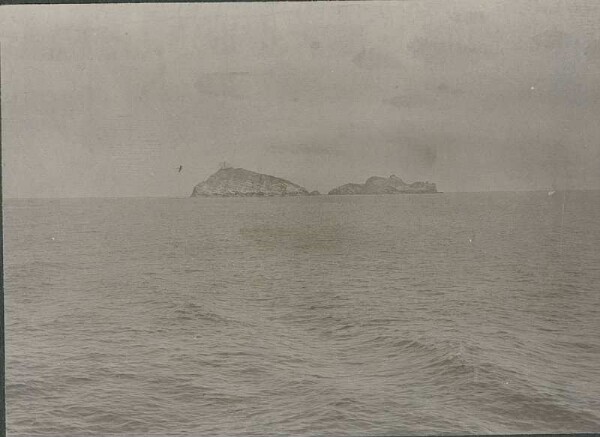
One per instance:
(445,52)
(231,84)
(425,97)
(371,59)
(306,150)
(592,51)
(444,88)
(551,39)
(417,152)
(469,17)
(408,101)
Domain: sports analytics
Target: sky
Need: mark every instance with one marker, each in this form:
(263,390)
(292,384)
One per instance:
(109,100)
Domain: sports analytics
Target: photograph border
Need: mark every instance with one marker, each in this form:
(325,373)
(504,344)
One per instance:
(3,361)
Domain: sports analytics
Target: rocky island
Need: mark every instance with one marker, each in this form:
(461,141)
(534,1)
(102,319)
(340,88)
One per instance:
(391,185)
(238,182)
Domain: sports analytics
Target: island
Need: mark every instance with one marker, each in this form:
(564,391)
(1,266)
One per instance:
(391,185)
(238,182)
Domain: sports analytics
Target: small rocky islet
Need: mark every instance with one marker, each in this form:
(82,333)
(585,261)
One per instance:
(239,182)
(391,185)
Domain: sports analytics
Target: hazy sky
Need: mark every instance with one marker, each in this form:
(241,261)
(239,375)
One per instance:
(109,100)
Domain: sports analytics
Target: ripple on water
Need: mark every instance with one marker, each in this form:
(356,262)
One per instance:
(303,316)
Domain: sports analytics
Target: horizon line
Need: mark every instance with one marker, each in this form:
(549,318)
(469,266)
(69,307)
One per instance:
(4,197)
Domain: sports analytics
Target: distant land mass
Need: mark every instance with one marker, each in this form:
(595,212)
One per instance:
(238,182)
(391,185)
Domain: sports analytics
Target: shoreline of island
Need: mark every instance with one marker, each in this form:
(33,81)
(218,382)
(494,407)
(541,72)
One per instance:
(239,182)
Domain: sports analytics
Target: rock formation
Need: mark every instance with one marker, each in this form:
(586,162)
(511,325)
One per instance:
(391,185)
(237,182)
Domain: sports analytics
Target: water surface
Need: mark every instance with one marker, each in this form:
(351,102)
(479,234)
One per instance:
(330,315)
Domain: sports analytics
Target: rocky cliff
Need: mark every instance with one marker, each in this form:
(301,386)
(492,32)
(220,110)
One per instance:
(391,185)
(237,182)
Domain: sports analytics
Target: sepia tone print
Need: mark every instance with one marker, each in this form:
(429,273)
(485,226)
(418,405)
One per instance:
(301,219)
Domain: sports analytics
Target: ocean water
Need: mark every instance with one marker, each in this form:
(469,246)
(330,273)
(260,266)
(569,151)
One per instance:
(331,315)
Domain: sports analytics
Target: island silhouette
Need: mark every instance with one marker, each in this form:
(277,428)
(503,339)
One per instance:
(391,185)
(239,182)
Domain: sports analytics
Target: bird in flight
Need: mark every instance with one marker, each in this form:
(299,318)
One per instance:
(180,168)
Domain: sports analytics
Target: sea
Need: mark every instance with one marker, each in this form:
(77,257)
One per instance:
(453,313)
